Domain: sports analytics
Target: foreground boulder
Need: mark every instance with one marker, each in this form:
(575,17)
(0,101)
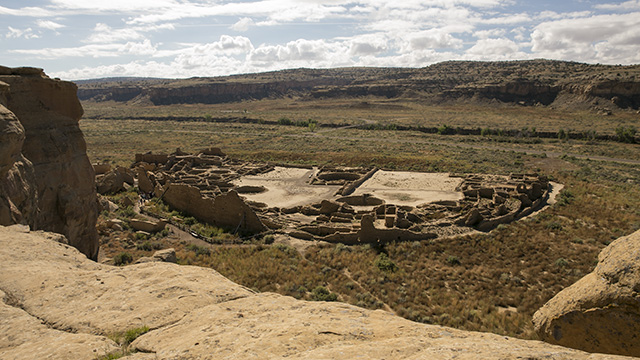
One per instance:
(600,312)
(195,313)
(46,179)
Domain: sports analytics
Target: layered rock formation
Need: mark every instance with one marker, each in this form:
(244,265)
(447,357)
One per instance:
(532,82)
(56,304)
(46,179)
(600,312)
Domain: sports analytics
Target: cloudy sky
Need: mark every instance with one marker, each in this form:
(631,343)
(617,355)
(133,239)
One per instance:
(80,39)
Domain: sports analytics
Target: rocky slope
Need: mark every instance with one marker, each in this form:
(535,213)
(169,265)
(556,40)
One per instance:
(600,312)
(46,179)
(58,304)
(535,82)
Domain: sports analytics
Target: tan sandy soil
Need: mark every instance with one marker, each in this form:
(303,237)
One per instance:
(287,187)
(411,188)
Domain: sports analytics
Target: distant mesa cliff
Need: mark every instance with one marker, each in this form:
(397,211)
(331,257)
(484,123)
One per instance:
(528,83)
(46,179)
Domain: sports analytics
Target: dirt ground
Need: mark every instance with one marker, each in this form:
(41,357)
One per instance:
(287,187)
(411,188)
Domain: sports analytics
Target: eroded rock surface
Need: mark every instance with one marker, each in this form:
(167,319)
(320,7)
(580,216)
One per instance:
(195,313)
(46,179)
(601,311)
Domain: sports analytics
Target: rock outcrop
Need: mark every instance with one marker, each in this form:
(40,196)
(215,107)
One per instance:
(195,313)
(46,179)
(600,312)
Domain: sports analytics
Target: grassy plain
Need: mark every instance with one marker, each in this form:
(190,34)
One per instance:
(487,282)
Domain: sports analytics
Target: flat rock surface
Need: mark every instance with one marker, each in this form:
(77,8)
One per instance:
(55,282)
(195,313)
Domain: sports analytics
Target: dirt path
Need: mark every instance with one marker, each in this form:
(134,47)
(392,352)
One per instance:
(385,306)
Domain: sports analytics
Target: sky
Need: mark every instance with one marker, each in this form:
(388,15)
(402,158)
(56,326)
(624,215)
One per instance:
(81,39)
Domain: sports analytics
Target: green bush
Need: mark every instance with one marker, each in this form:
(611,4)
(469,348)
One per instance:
(133,334)
(385,264)
(320,293)
(453,260)
(626,134)
(122,259)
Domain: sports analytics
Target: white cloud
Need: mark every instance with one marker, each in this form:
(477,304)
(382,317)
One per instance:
(593,39)
(432,39)
(627,5)
(50,25)
(368,44)
(93,50)
(495,49)
(510,19)
(243,24)
(119,6)
(27,11)
(17,33)
(307,53)
(492,33)
(103,33)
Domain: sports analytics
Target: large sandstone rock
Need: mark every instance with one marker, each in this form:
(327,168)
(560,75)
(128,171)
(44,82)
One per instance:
(601,311)
(226,210)
(195,313)
(53,281)
(49,183)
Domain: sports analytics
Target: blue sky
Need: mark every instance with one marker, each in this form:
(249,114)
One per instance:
(80,39)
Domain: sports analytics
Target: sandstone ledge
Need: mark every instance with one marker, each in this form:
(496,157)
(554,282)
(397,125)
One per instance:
(52,292)
(601,311)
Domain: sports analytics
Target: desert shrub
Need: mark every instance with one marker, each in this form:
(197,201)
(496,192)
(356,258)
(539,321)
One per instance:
(313,124)
(268,239)
(122,258)
(626,134)
(320,293)
(133,334)
(199,250)
(385,264)
(190,220)
(561,262)
(554,225)
(446,130)
(453,260)
(113,356)
(145,246)
(565,197)
(563,135)
(126,212)
(141,236)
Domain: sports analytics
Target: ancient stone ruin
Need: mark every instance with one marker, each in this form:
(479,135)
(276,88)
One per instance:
(332,204)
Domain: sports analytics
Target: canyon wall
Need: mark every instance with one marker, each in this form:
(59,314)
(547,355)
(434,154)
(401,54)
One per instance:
(46,179)
(528,83)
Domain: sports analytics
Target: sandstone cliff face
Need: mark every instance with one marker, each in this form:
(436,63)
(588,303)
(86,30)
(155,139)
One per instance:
(46,179)
(56,304)
(532,82)
(600,312)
